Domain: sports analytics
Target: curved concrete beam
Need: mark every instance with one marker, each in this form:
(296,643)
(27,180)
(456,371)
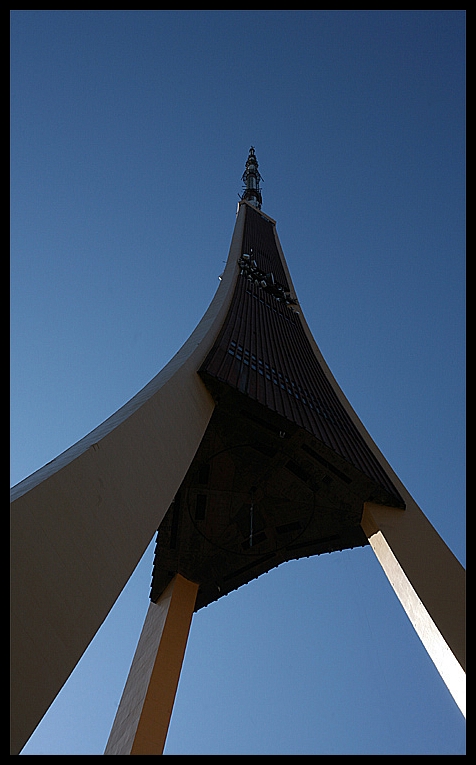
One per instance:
(80,524)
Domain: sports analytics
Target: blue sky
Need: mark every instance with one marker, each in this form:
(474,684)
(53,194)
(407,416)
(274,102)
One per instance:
(129,134)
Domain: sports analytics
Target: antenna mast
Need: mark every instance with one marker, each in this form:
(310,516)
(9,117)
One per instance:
(251,179)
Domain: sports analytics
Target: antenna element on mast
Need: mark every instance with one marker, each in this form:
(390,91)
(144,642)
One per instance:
(251,179)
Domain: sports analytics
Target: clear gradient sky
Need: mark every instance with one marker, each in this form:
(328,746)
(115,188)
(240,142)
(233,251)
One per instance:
(129,134)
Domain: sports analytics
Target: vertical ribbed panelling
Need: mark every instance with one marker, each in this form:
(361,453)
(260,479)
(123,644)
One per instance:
(263,352)
(258,241)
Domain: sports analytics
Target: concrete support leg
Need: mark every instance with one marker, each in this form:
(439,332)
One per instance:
(143,717)
(429,582)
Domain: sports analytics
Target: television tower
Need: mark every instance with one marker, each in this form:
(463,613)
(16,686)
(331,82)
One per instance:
(242,453)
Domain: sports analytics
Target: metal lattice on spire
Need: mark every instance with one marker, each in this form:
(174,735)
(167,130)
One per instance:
(251,179)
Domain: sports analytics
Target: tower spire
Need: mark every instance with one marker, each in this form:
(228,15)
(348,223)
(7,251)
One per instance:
(251,179)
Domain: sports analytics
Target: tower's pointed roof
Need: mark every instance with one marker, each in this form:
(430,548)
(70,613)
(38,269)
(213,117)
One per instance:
(251,179)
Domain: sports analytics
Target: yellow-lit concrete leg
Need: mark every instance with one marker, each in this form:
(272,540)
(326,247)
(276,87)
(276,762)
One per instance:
(143,717)
(429,582)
